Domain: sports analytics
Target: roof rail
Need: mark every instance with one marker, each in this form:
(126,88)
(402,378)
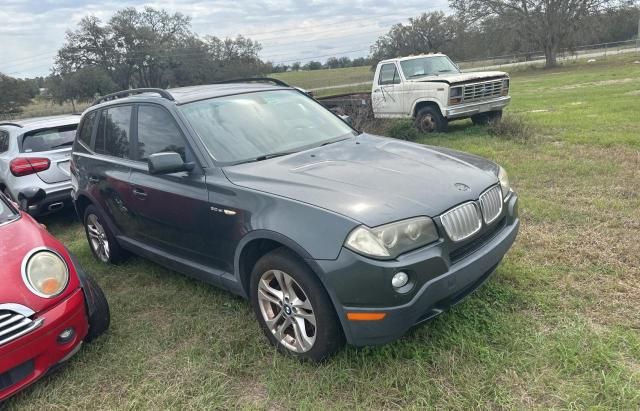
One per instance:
(8,123)
(125,93)
(255,80)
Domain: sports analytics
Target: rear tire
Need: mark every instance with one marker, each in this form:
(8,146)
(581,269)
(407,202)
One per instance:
(485,118)
(102,242)
(430,120)
(293,308)
(101,318)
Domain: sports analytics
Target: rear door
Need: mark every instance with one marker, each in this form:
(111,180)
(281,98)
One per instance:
(53,143)
(108,169)
(171,210)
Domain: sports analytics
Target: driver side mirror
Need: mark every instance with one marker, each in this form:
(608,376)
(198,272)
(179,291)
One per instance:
(30,196)
(167,163)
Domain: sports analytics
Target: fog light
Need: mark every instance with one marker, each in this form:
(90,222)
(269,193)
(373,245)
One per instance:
(66,336)
(400,279)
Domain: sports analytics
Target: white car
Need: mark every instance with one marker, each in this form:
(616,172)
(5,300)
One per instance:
(35,152)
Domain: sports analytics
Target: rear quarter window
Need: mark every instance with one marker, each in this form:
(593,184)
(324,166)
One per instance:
(86,129)
(4,141)
(48,139)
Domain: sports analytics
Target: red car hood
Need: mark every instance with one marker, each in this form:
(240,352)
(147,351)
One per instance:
(17,238)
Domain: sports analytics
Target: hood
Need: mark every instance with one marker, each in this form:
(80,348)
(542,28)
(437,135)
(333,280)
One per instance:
(16,240)
(461,78)
(373,180)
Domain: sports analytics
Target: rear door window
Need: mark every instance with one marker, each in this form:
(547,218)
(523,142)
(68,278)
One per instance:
(49,139)
(113,135)
(158,133)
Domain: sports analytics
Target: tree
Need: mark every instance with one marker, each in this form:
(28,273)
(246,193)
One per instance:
(429,32)
(296,66)
(14,94)
(549,24)
(312,65)
(152,48)
(82,85)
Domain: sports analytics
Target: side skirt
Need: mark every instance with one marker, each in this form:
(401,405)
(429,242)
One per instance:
(192,269)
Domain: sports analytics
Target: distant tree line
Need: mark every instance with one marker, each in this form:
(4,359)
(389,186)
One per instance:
(486,28)
(153,48)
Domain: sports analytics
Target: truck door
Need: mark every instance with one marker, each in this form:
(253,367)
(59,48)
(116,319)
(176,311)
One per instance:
(387,96)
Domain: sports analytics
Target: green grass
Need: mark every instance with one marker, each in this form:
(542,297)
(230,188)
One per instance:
(325,78)
(556,327)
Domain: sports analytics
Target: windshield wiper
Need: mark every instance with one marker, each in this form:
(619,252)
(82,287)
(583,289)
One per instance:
(68,143)
(266,157)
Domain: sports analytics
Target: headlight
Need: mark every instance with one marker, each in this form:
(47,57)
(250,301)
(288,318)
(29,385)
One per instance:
(505,87)
(455,95)
(45,273)
(504,182)
(391,240)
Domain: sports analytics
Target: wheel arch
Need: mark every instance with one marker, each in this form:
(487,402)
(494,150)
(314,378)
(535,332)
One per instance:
(255,245)
(419,104)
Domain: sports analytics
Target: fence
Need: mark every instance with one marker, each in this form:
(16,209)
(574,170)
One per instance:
(535,57)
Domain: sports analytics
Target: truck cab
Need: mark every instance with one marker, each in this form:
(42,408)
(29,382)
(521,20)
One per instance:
(432,90)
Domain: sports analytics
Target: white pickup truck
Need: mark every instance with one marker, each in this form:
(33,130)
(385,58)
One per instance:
(430,89)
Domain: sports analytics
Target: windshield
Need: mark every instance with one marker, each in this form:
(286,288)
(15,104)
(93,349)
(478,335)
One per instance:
(428,66)
(49,139)
(6,212)
(245,127)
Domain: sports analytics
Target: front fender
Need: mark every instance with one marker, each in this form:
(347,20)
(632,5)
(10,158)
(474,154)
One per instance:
(426,100)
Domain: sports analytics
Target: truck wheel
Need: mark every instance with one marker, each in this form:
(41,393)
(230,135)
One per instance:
(293,308)
(101,318)
(429,120)
(486,118)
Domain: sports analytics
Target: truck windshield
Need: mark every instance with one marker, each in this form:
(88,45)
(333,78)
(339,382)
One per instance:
(257,126)
(428,66)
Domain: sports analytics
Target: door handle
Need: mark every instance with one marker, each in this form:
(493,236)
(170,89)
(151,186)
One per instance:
(94,179)
(139,193)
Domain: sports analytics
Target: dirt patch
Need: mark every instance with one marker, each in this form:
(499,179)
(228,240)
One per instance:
(632,93)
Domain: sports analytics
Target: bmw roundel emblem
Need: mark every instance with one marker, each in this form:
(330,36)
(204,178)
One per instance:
(462,187)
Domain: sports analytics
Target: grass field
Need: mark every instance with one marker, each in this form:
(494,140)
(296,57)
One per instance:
(557,326)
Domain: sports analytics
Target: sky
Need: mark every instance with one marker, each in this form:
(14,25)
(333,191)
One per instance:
(33,30)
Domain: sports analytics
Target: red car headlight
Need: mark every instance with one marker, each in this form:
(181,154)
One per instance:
(45,272)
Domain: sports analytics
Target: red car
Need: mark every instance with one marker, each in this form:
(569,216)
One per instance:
(48,305)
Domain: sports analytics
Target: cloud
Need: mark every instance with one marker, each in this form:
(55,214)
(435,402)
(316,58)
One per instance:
(289,30)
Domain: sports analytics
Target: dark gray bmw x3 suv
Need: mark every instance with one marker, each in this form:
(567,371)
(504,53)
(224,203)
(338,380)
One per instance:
(332,234)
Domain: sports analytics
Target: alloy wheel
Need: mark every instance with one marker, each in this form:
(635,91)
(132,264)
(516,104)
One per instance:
(98,238)
(287,311)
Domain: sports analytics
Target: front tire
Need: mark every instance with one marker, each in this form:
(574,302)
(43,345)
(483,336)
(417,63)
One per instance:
(102,242)
(100,319)
(430,120)
(293,308)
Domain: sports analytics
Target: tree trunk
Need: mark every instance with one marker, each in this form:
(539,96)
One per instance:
(550,52)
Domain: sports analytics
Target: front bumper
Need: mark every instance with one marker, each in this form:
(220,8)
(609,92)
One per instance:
(27,359)
(470,109)
(361,285)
